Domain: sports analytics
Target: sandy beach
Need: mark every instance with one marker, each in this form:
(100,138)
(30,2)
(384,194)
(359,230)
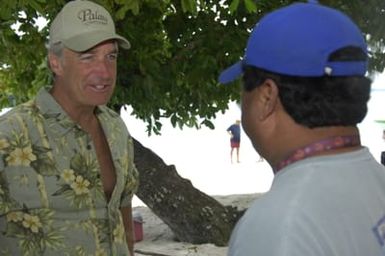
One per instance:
(158,239)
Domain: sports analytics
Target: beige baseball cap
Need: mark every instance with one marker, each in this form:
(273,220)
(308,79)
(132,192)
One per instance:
(81,25)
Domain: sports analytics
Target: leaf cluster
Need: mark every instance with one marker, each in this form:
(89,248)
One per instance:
(178,49)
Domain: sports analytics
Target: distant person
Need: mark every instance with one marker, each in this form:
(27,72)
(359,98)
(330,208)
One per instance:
(304,92)
(235,139)
(67,173)
(383,152)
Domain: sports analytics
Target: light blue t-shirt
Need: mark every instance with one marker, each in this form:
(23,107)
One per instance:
(321,206)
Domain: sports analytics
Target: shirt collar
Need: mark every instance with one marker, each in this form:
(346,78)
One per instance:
(55,114)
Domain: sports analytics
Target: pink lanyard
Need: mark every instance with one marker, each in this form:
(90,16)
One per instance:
(320,146)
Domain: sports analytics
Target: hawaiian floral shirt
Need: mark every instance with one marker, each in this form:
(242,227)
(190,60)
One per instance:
(52,200)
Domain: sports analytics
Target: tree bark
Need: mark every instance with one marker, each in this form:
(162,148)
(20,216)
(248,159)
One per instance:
(193,216)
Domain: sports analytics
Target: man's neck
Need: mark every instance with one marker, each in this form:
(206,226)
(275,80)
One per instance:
(82,115)
(298,140)
(331,145)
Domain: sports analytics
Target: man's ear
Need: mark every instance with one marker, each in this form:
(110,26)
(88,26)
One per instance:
(268,98)
(55,63)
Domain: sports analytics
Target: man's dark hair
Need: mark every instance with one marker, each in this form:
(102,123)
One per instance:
(319,101)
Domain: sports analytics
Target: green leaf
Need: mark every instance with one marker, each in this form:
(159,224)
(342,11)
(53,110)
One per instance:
(189,6)
(185,5)
(173,120)
(36,6)
(251,7)
(5,11)
(121,12)
(135,7)
(158,125)
(234,6)
(208,123)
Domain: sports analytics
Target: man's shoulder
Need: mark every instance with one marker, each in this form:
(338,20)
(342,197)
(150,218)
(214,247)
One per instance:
(21,112)
(231,127)
(263,230)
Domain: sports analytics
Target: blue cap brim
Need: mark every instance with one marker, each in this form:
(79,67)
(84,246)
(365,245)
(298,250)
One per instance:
(231,73)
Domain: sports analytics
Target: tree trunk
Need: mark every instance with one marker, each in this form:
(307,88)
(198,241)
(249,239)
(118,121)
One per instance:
(193,216)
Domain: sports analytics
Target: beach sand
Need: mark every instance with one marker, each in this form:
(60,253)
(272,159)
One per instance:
(158,239)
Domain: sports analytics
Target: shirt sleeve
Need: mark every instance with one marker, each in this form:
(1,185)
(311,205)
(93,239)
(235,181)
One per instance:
(4,195)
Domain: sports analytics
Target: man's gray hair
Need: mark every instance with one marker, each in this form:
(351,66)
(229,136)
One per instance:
(56,49)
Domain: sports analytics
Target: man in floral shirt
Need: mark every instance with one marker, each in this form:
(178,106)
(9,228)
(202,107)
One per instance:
(67,174)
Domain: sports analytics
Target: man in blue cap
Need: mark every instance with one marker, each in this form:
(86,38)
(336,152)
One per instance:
(304,92)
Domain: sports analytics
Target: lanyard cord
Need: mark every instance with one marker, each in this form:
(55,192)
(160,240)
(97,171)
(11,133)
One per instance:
(320,146)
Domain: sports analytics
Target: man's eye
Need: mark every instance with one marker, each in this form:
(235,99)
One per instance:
(113,56)
(86,56)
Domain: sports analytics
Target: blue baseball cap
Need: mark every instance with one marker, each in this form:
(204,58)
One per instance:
(297,40)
